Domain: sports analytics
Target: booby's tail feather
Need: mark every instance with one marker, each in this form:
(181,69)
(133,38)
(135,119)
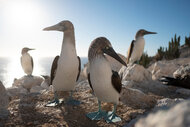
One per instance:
(179,82)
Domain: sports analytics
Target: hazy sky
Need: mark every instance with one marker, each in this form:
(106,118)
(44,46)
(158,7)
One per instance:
(22,21)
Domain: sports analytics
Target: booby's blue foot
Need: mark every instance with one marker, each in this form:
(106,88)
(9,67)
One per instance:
(71,101)
(96,115)
(112,118)
(54,103)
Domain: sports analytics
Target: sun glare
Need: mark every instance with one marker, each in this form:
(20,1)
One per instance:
(22,13)
(15,70)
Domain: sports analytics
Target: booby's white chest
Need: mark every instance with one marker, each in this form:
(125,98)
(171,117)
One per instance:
(67,70)
(137,49)
(26,62)
(100,76)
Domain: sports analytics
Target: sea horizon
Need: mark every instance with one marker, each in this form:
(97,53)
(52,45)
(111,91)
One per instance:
(10,68)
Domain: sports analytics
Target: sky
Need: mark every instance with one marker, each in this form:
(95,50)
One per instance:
(22,21)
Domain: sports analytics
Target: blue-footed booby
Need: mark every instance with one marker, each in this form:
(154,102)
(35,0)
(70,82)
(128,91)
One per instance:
(136,48)
(27,61)
(65,68)
(105,83)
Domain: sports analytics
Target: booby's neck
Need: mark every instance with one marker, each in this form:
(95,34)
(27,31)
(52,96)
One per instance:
(139,37)
(69,36)
(93,56)
(23,53)
(68,39)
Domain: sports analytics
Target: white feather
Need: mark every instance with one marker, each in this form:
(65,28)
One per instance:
(100,76)
(67,70)
(137,50)
(26,62)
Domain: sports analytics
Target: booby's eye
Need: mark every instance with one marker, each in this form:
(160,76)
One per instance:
(107,47)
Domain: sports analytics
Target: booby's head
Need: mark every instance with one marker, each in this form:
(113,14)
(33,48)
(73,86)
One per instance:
(63,26)
(101,45)
(143,32)
(25,50)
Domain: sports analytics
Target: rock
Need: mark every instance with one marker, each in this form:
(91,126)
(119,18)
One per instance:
(137,77)
(46,83)
(182,71)
(166,103)
(166,67)
(135,73)
(16,90)
(85,70)
(176,116)
(136,98)
(148,86)
(162,68)
(4,101)
(36,89)
(115,65)
(28,81)
(183,91)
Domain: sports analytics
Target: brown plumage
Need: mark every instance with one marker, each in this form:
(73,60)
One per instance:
(54,68)
(130,50)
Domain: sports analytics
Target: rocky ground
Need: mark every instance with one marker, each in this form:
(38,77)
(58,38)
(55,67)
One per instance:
(144,102)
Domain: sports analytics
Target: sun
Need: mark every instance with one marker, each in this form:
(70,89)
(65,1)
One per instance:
(22,13)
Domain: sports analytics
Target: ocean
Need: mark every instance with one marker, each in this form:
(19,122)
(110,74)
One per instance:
(10,68)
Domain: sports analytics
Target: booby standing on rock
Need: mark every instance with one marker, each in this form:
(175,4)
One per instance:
(137,47)
(105,82)
(27,61)
(65,69)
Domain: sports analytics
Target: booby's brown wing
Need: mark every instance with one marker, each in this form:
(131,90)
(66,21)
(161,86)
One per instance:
(130,50)
(54,68)
(90,81)
(32,62)
(79,68)
(21,60)
(116,81)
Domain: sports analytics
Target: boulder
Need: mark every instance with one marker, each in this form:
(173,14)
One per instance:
(16,90)
(85,70)
(161,105)
(136,98)
(183,91)
(176,116)
(46,83)
(182,71)
(137,77)
(166,103)
(163,69)
(135,73)
(148,86)
(115,65)
(4,101)
(36,89)
(28,82)
(166,67)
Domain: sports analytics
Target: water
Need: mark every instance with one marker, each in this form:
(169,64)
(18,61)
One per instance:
(10,68)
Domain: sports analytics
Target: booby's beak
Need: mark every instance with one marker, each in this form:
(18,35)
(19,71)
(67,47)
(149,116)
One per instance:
(56,27)
(110,51)
(148,32)
(30,49)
